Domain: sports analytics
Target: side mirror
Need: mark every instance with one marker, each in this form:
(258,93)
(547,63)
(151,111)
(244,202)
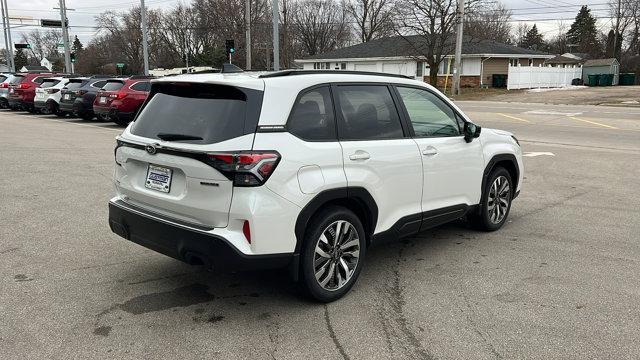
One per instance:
(471,131)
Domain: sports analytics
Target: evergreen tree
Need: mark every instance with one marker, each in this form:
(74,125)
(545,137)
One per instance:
(20,59)
(533,40)
(77,45)
(583,36)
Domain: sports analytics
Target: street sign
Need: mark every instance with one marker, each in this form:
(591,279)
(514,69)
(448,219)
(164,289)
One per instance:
(52,23)
(60,45)
(119,65)
(23,46)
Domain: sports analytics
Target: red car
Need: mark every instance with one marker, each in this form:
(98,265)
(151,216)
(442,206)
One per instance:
(22,90)
(120,99)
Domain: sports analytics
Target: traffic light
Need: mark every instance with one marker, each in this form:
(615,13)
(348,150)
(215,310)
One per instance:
(230,47)
(73,57)
(23,46)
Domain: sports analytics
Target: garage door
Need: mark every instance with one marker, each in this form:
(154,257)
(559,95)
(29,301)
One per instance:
(366,66)
(393,68)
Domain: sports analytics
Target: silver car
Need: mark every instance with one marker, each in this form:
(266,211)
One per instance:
(4,89)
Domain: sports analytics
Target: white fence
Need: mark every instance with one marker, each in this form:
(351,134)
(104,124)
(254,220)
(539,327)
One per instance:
(528,77)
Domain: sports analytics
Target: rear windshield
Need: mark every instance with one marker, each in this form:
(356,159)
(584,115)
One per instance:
(112,85)
(2,78)
(17,79)
(49,83)
(213,112)
(72,85)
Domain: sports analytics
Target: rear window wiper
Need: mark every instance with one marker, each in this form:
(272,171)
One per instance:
(177,137)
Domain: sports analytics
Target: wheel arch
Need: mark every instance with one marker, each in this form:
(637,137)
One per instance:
(356,199)
(507,161)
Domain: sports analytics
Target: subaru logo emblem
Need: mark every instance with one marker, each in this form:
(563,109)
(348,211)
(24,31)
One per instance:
(150,149)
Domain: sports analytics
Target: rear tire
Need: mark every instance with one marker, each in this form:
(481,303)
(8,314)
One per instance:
(87,117)
(330,264)
(495,203)
(61,114)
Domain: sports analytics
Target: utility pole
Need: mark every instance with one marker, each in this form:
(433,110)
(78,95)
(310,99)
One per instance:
(615,34)
(8,34)
(276,36)
(247,27)
(143,24)
(5,28)
(65,37)
(457,68)
(186,51)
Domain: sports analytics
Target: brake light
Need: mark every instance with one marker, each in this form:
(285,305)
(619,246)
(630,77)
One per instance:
(4,85)
(81,92)
(51,91)
(23,86)
(118,95)
(250,168)
(246,230)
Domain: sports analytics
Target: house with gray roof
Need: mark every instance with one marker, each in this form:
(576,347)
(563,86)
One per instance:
(481,59)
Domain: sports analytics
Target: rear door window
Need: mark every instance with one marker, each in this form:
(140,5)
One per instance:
(141,86)
(213,113)
(367,113)
(312,116)
(112,86)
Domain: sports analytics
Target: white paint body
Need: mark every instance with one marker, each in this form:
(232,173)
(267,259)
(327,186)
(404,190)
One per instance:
(400,176)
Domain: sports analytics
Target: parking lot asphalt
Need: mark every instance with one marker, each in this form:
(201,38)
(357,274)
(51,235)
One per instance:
(561,280)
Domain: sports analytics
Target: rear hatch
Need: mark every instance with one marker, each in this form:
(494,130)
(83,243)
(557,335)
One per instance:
(43,91)
(70,90)
(108,93)
(15,82)
(173,159)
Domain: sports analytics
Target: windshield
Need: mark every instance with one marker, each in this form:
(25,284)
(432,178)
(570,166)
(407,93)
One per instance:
(48,83)
(198,113)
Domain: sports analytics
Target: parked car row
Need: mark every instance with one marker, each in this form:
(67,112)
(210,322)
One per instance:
(103,97)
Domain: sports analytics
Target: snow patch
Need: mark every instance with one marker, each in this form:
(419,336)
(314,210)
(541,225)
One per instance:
(570,87)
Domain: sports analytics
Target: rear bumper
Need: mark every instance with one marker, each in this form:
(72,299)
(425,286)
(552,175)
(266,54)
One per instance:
(39,105)
(185,243)
(66,106)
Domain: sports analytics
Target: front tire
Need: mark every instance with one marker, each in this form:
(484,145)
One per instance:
(332,254)
(496,201)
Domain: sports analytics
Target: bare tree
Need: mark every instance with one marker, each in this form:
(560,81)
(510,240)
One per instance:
(489,22)
(320,26)
(373,18)
(521,31)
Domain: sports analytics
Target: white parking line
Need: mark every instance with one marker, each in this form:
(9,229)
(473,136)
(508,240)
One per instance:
(538,153)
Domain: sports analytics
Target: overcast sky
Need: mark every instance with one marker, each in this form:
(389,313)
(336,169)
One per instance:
(543,12)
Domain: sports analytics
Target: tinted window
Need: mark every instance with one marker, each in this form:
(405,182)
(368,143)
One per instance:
(48,83)
(74,85)
(17,79)
(429,115)
(213,112)
(141,86)
(368,112)
(112,85)
(99,84)
(38,80)
(312,116)
(2,78)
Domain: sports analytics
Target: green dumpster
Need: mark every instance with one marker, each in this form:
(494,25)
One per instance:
(627,79)
(499,81)
(602,79)
(593,79)
(608,80)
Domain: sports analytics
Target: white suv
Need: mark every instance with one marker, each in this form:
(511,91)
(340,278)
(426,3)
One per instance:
(47,98)
(304,169)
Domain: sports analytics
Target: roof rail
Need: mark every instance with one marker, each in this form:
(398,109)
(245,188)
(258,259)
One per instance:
(350,72)
(135,77)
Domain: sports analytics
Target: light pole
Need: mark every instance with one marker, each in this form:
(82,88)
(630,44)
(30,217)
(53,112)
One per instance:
(10,54)
(457,68)
(65,36)
(143,21)
(247,26)
(276,36)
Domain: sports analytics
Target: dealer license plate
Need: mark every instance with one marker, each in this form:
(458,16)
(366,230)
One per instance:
(158,178)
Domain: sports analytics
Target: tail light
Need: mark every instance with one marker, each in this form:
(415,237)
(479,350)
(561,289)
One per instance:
(247,168)
(51,91)
(4,85)
(118,95)
(23,86)
(81,92)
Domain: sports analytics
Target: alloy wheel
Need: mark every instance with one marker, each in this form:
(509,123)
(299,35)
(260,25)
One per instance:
(499,198)
(336,255)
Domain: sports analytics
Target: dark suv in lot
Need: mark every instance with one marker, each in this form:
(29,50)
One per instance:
(120,99)
(22,90)
(77,98)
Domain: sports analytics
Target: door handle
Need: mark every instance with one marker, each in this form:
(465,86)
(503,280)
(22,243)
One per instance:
(359,155)
(430,151)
